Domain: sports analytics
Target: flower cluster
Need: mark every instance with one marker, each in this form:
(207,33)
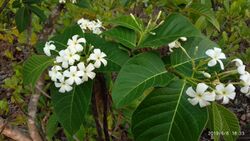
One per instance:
(64,1)
(176,43)
(244,76)
(93,26)
(75,64)
(220,91)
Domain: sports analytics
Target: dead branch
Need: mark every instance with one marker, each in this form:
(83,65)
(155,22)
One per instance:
(32,109)
(12,132)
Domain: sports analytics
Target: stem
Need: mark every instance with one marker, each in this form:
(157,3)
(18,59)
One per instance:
(96,117)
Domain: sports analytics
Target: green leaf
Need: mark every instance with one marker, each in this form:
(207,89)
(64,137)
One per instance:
(70,108)
(16,4)
(181,62)
(128,22)
(22,18)
(34,67)
(138,74)
(174,26)
(51,127)
(32,1)
(125,36)
(61,40)
(115,56)
(38,12)
(223,121)
(203,10)
(166,115)
(83,3)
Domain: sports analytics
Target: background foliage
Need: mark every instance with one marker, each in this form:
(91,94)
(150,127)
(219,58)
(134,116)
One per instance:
(224,21)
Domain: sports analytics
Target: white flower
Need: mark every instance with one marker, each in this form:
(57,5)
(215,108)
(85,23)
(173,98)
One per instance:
(200,96)
(63,85)
(97,31)
(87,71)
(240,66)
(98,57)
(73,75)
(73,1)
(176,43)
(172,45)
(54,73)
(62,59)
(225,93)
(62,1)
(74,44)
(48,47)
(246,82)
(216,54)
(71,57)
(83,23)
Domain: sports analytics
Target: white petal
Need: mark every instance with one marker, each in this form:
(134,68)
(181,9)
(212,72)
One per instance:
(79,47)
(218,97)
(231,95)
(81,40)
(221,64)
(222,56)
(104,62)
(66,73)
(75,37)
(209,96)
(225,100)
(212,62)
(70,81)
(90,67)
(220,87)
(81,66)
(193,101)
(78,81)
(238,62)
(68,88)
(190,92)
(73,69)
(230,88)
(245,89)
(92,57)
(183,38)
(241,69)
(203,103)
(97,64)
(201,88)
(172,45)
(91,75)
(97,51)
(210,53)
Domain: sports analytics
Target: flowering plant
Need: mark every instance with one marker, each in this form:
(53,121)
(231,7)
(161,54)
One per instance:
(169,85)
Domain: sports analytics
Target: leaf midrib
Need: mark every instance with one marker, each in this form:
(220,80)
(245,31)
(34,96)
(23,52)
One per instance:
(126,94)
(175,111)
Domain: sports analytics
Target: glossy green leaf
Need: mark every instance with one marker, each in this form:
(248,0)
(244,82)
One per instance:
(223,122)
(138,74)
(70,108)
(34,67)
(196,48)
(115,56)
(38,12)
(128,22)
(174,26)
(22,18)
(125,36)
(203,10)
(166,115)
(51,126)
(61,40)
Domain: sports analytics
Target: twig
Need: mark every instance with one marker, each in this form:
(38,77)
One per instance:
(105,105)
(96,115)
(32,109)
(49,24)
(12,132)
(4,5)
(43,92)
